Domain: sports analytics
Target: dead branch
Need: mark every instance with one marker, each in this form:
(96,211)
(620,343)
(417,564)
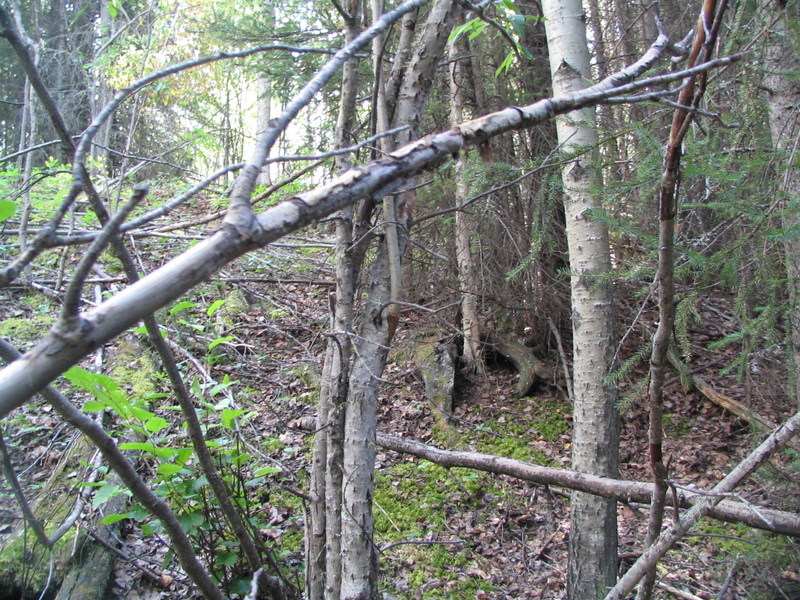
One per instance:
(740,410)
(622,491)
(704,507)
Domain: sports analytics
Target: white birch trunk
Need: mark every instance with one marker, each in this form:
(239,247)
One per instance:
(463,232)
(263,116)
(593,526)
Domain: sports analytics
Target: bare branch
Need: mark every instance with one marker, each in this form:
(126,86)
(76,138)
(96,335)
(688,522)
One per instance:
(69,310)
(28,150)
(704,507)
(54,355)
(19,493)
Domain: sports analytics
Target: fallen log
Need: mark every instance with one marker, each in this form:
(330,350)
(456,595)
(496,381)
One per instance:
(622,491)
(530,368)
(767,519)
(737,408)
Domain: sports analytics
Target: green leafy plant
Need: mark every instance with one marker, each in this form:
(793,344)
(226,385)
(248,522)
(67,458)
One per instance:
(178,478)
(508,15)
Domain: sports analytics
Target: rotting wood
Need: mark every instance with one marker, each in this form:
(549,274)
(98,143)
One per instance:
(437,366)
(89,576)
(531,369)
(737,408)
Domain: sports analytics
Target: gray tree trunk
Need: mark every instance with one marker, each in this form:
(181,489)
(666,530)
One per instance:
(781,66)
(359,556)
(593,525)
(463,231)
(324,550)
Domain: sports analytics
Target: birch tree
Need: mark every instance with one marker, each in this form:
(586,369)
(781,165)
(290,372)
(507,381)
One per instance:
(79,333)
(463,231)
(595,434)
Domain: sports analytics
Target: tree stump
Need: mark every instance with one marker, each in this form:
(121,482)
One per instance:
(437,364)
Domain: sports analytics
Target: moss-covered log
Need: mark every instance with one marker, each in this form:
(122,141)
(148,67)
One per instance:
(24,562)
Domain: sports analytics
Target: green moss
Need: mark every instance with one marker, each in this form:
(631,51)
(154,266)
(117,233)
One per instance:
(515,436)
(516,446)
(412,499)
(447,435)
(226,316)
(25,330)
(132,368)
(764,557)
(306,373)
(24,563)
(676,426)
(549,418)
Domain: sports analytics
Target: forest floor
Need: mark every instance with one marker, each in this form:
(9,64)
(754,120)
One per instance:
(442,533)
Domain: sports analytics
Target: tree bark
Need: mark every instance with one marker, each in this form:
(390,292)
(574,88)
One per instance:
(359,555)
(595,438)
(263,117)
(468,286)
(781,65)
(360,558)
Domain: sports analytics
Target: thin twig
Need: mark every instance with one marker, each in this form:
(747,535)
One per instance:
(159,580)
(72,297)
(27,513)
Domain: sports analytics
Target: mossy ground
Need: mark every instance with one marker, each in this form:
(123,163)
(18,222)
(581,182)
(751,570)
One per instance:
(770,561)
(415,498)
(131,367)
(25,330)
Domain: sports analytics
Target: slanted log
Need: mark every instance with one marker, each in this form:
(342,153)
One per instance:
(89,574)
(24,562)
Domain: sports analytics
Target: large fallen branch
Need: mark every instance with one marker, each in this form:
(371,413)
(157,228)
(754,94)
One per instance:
(68,342)
(622,491)
(705,506)
(760,422)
